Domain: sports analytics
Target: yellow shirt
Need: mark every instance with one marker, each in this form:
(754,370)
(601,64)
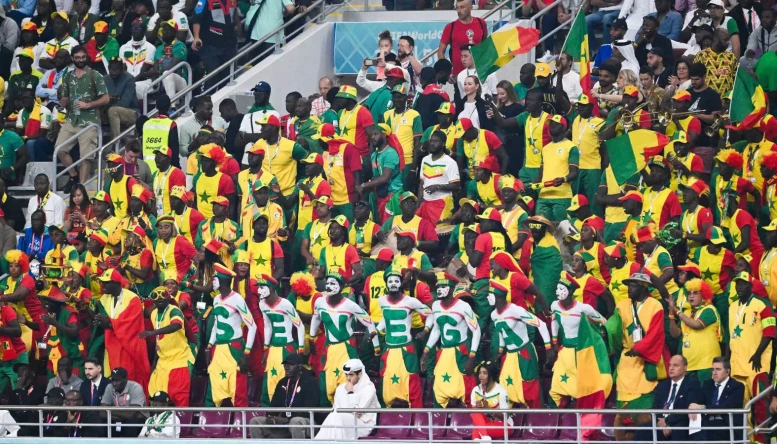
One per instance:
(613,214)
(275,215)
(279,160)
(319,237)
(245,182)
(361,237)
(205,190)
(557,157)
(120,196)
(585,134)
(261,254)
(533,135)
(172,348)
(406,126)
(768,274)
(701,346)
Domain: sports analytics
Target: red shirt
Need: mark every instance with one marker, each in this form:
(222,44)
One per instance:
(457,34)
(11,347)
(485,245)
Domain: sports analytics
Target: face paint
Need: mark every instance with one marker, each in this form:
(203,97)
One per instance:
(442,292)
(491,299)
(264,292)
(216,284)
(394,284)
(332,286)
(562,292)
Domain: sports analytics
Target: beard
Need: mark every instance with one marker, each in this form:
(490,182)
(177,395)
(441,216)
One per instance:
(80,65)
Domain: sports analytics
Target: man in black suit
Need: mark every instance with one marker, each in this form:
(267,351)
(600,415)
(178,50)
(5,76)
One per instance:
(675,393)
(722,392)
(93,388)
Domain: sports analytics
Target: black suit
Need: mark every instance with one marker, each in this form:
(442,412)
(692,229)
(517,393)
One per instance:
(688,392)
(738,15)
(659,41)
(731,397)
(86,392)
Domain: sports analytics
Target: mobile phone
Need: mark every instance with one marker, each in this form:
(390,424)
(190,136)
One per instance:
(369,62)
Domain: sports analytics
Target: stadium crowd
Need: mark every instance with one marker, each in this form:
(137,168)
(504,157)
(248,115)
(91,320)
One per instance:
(492,248)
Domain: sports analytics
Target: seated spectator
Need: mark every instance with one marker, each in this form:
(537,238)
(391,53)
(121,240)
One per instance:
(763,39)
(170,53)
(52,206)
(721,392)
(164,13)
(8,427)
(52,79)
(54,420)
(298,389)
(162,425)
(747,15)
(28,392)
(29,39)
(33,125)
(123,107)
(42,19)
(60,24)
(659,71)
(606,13)
(19,9)
(616,31)
(357,393)
(670,23)
(93,388)
(35,242)
(65,379)
(651,39)
(702,35)
(9,37)
(102,48)
(83,21)
(79,423)
(720,63)
(489,394)
(124,393)
(634,11)
(138,56)
(120,21)
(26,76)
(676,392)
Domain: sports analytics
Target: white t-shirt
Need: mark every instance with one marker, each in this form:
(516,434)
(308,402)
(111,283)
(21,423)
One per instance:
(45,119)
(135,56)
(38,49)
(180,19)
(249,125)
(177,7)
(571,84)
(470,111)
(438,172)
(54,209)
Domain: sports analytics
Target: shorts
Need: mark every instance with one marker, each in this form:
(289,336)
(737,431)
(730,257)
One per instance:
(87,140)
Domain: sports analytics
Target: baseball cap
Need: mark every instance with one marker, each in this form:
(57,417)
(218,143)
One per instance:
(347,92)
(657,51)
(56,392)
(615,250)
(160,397)
(583,99)
(559,119)
(27,52)
(385,254)
(101,27)
(402,88)
(715,236)
(772,226)
(326,200)
(119,372)
(262,87)
(314,158)
(680,136)
(491,214)
(682,96)
(619,24)
(102,196)
(220,200)
(60,14)
(578,200)
(110,275)
(292,359)
(326,132)
(395,72)
(342,221)
(464,201)
(407,195)
(718,3)
(29,26)
(269,119)
(631,195)
(171,23)
(164,150)
(631,90)
(542,69)
(447,108)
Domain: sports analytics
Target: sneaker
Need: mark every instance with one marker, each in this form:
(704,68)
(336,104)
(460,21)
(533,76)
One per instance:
(547,57)
(70,184)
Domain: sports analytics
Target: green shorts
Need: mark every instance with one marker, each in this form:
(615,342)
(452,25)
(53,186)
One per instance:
(554,209)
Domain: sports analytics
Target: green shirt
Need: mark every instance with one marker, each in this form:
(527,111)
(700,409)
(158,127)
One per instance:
(520,91)
(87,88)
(330,116)
(254,108)
(110,49)
(388,158)
(379,102)
(165,52)
(270,17)
(9,143)
(766,70)
(19,81)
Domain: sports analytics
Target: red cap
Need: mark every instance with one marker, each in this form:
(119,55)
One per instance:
(395,72)
(385,254)
(465,123)
(409,234)
(273,120)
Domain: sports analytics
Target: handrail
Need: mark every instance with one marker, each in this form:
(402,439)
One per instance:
(166,74)
(194,86)
(74,138)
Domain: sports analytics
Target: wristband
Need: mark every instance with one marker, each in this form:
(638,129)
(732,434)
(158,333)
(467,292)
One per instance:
(471,354)
(247,351)
(426,349)
(547,346)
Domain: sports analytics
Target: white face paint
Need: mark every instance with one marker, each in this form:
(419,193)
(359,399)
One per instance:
(216,284)
(332,286)
(491,299)
(394,284)
(562,292)
(442,292)
(264,292)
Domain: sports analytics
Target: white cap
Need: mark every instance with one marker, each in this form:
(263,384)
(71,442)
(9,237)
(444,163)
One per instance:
(352,366)
(718,3)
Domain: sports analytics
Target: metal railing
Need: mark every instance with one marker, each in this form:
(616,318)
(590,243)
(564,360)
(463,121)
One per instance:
(168,73)
(240,419)
(74,138)
(764,427)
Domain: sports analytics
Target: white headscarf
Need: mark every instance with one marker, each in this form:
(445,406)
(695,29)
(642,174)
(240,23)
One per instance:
(626,48)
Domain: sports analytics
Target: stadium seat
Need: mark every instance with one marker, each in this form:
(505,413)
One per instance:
(212,419)
(608,433)
(186,420)
(534,421)
(236,431)
(393,425)
(420,428)
(567,427)
(460,428)
(518,420)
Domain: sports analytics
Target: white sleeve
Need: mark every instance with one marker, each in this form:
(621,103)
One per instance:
(366,321)
(297,322)
(452,171)
(150,55)
(180,18)
(314,321)
(420,308)
(554,325)
(503,401)
(472,324)
(248,320)
(59,211)
(31,207)
(592,314)
(473,398)
(434,336)
(212,339)
(152,22)
(267,327)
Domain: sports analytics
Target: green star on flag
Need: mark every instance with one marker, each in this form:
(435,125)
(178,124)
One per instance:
(273,372)
(737,331)
(395,379)
(564,378)
(204,197)
(119,204)
(735,239)
(446,377)
(260,261)
(223,374)
(616,285)
(319,240)
(509,380)
(337,372)
(707,274)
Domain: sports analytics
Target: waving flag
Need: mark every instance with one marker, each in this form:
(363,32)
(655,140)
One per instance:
(501,47)
(576,46)
(748,101)
(594,388)
(630,151)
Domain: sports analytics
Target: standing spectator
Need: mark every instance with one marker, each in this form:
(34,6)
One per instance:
(298,389)
(230,114)
(161,133)
(82,93)
(720,20)
(60,26)
(466,30)
(747,15)
(439,180)
(14,350)
(354,121)
(125,393)
(9,38)
(651,39)
(606,13)
(380,100)
(764,38)
(634,11)
(261,19)
(134,166)
(489,84)
(123,107)
(249,131)
(213,28)
(14,156)
(320,104)
(50,203)
(165,13)
(138,56)
(291,107)
(408,61)
(570,80)
(11,207)
(169,54)
(670,23)
(430,98)
(721,64)
(703,98)
(508,106)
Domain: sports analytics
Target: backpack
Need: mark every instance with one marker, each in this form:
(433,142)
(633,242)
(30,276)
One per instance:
(483,26)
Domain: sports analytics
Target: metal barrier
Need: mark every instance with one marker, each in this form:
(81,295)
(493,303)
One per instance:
(241,421)
(83,158)
(168,73)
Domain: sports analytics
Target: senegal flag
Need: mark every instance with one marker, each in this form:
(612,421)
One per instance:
(631,151)
(748,101)
(501,47)
(577,47)
(594,388)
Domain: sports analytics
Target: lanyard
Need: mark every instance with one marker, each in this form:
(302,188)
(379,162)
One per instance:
(397,122)
(320,231)
(345,122)
(164,254)
(293,394)
(179,224)
(580,129)
(689,221)
(534,128)
(32,247)
(42,202)
(160,318)
(158,189)
(123,398)
(739,312)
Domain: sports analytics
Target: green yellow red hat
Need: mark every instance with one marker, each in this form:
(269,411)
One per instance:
(62,15)
(587,258)
(529,221)
(690,267)
(407,195)
(141,193)
(631,90)
(257,148)
(223,272)
(645,233)
(497,289)
(258,185)
(464,201)
(680,136)
(109,275)
(260,215)
(101,236)
(391,271)
(341,220)
(325,200)
(326,132)
(510,181)
(29,26)
(616,250)
(164,150)
(444,279)
(559,119)
(265,280)
(385,129)
(241,257)
(114,158)
(566,280)
(314,158)
(402,88)
(660,161)
(102,196)
(682,96)
(166,219)
(220,200)
(347,92)
(409,234)
(772,226)
(744,276)
(696,185)
(583,99)
(491,214)
(178,191)
(447,108)
(336,273)
(269,119)
(171,23)
(715,235)
(27,52)
(578,200)
(100,27)
(634,195)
